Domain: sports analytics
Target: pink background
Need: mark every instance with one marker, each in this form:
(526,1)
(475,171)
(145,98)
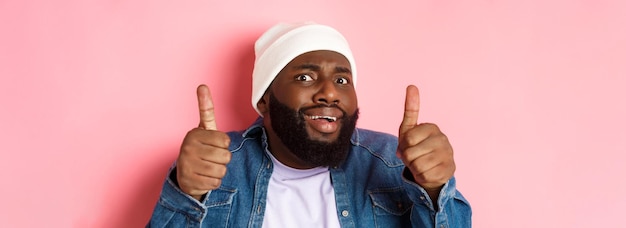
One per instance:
(96,97)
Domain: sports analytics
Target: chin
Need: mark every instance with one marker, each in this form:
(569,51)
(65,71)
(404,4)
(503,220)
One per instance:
(321,137)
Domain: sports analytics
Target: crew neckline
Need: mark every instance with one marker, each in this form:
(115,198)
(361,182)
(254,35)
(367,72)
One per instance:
(285,172)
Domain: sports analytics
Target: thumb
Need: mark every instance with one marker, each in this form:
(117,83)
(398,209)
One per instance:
(205,105)
(411,109)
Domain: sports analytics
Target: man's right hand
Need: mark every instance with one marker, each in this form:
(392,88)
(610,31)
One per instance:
(204,153)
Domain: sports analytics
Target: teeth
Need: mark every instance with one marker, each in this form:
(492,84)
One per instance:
(329,118)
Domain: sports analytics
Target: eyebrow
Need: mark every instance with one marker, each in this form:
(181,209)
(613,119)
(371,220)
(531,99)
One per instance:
(308,66)
(313,67)
(340,69)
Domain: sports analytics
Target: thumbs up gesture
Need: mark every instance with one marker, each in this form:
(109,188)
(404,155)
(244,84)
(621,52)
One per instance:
(204,154)
(423,148)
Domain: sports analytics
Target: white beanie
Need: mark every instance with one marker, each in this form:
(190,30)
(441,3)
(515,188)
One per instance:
(284,42)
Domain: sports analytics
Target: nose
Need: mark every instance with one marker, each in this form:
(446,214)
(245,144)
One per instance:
(327,93)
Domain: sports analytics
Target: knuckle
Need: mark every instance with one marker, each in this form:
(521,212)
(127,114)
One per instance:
(218,171)
(415,167)
(405,159)
(431,126)
(191,133)
(186,187)
(408,140)
(186,148)
(222,171)
(411,141)
(218,138)
(226,140)
(199,192)
(401,145)
(228,156)
(419,178)
(442,137)
(433,178)
(408,155)
(214,183)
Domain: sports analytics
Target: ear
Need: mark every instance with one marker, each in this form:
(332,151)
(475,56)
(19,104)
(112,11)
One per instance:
(263,103)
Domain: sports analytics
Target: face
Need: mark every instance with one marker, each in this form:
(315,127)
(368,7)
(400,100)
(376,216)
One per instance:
(311,110)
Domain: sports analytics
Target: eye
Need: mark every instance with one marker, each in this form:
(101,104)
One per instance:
(304,77)
(343,81)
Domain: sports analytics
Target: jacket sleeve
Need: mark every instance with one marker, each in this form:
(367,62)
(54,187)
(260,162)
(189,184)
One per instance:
(453,209)
(175,208)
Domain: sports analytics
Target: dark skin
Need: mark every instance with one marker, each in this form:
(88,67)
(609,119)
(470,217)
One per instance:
(319,77)
(309,79)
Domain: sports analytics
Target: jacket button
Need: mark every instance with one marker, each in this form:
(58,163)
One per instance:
(345,213)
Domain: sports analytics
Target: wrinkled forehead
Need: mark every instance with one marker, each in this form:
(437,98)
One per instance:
(319,58)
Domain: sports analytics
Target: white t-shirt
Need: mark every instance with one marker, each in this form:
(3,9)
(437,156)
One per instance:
(300,198)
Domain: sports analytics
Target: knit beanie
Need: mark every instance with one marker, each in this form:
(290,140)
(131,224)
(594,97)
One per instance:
(284,42)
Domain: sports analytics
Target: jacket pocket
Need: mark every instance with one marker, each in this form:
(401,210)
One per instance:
(390,207)
(219,204)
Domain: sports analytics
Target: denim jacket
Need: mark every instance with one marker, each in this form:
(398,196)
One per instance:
(370,190)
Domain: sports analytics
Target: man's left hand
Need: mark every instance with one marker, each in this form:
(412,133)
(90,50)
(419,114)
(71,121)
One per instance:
(423,148)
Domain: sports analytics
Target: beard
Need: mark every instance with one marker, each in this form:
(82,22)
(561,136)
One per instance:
(290,127)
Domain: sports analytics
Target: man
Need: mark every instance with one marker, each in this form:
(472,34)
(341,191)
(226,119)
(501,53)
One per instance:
(303,163)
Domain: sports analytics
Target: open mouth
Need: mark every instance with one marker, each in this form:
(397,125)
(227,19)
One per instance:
(324,124)
(327,118)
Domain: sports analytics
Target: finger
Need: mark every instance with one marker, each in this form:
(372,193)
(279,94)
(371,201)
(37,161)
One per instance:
(206,138)
(419,133)
(203,184)
(210,169)
(414,152)
(205,105)
(429,140)
(411,109)
(217,156)
(199,185)
(434,176)
(424,163)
